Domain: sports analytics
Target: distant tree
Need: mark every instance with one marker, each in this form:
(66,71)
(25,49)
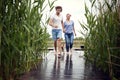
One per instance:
(79,38)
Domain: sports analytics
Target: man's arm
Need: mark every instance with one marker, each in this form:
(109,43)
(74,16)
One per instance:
(63,26)
(51,23)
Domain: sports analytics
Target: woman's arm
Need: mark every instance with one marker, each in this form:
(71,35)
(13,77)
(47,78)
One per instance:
(74,30)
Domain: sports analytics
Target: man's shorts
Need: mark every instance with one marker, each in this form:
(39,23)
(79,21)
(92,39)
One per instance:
(56,34)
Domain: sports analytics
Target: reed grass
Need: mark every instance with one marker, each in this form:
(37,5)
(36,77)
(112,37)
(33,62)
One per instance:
(23,35)
(102,30)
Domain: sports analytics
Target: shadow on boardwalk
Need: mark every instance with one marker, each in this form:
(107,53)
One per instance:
(64,68)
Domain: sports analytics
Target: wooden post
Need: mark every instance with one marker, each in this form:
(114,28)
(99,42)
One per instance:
(110,63)
(119,9)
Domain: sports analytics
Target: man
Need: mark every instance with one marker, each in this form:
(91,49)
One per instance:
(56,21)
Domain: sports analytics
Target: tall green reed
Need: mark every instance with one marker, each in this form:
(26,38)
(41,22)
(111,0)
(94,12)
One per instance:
(23,35)
(101,33)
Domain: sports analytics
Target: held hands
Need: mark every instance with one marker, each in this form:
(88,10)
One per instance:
(64,30)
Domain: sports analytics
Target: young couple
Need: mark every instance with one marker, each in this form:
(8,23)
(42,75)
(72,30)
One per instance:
(56,21)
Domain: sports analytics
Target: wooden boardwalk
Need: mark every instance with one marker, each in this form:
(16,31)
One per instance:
(64,68)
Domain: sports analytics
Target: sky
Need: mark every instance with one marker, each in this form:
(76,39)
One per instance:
(76,9)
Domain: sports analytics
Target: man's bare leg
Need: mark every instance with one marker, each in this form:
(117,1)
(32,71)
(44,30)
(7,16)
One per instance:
(59,47)
(55,46)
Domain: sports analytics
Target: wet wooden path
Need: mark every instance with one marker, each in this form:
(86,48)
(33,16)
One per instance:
(64,68)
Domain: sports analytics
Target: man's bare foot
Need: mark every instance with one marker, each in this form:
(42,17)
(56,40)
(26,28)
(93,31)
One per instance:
(59,55)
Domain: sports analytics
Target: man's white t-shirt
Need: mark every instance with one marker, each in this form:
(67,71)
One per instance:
(57,21)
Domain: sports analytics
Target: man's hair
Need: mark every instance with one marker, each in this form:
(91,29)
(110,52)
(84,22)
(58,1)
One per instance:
(58,7)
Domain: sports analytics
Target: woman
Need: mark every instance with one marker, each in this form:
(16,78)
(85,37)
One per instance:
(69,31)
